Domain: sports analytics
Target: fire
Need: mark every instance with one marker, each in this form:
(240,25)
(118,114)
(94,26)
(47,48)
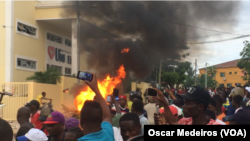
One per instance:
(105,86)
(125,50)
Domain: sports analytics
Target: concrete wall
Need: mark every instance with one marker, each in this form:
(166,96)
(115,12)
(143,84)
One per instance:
(28,46)
(2,41)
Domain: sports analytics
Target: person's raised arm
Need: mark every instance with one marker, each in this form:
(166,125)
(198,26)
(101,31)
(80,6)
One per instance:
(117,108)
(106,111)
(169,116)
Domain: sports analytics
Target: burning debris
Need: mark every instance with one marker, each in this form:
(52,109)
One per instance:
(125,50)
(150,31)
(105,86)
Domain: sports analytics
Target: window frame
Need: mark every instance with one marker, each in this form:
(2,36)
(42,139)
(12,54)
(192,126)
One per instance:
(65,42)
(65,71)
(230,72)
(223,73)
(235,72)
(26,58)
(27,24)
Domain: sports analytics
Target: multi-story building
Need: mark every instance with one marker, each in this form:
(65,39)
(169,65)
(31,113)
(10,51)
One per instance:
(36,35)
(228,74)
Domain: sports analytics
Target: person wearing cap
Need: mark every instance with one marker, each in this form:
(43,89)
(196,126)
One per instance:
(73,134)
(122,104)
(23,115)
(43,117)
(33,135)
(55,124)
(71,123)
(242,117)
(172,109)
(196,103)
(35,112)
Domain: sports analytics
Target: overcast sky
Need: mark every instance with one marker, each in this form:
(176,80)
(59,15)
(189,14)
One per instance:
(216,53)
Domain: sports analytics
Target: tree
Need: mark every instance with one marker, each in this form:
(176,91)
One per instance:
(174,76)
(50,76)
(244,63)
(210,81)
(190,80)
(211,71)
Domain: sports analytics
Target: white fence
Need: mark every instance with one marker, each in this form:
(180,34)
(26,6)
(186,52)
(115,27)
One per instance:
(13,103)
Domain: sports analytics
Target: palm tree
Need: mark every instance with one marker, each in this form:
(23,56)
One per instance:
(50,76)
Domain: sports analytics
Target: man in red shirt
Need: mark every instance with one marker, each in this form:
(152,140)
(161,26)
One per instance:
(196,103)
(35,113)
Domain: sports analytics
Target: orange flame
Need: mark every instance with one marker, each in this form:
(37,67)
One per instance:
(105,86)
(125,50)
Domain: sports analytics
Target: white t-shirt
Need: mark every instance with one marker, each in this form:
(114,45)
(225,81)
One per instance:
(117,134)
(221,122)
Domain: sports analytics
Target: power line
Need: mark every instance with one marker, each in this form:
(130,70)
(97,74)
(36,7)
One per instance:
(202,28)
(221,40)
(217,34)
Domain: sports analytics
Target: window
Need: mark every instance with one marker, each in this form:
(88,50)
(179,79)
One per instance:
(26,29)
(67,71)
(221,85)
(235,72)
(222,74)
(230,72)
(213,75)
(26,63)
(54,38)
(58,68)
(229,85)
(238,84)
(68,42)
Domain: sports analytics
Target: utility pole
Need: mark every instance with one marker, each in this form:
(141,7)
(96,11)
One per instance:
(160,73)
(195,71)
(206,77)
(78,37)
(174,66)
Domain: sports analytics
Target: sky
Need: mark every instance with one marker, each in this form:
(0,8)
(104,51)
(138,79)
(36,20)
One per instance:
(220,52)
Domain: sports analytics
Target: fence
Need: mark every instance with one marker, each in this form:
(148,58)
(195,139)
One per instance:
(13,103)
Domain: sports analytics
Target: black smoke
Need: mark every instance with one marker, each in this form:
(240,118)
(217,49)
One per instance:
(153,30)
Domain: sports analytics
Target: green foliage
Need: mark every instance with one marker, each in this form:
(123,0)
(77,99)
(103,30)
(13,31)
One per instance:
(50,76)
(244,63)
(211,71)
(178,76)
(190,80)
(210,81)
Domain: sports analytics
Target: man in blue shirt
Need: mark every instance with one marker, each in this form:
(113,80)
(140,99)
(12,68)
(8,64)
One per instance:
(96,117)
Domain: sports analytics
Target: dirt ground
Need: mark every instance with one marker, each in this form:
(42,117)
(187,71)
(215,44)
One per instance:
(15,126)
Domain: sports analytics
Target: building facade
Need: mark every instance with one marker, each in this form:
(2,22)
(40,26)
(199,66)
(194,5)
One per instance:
(228,74)
(36,35)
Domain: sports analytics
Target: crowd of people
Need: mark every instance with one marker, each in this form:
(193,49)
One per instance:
(124,119)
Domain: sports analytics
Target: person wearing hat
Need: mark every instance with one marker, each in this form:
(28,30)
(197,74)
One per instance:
(71,123)
(43,117)
(122,104)
(33,135)
(196,103)
(55,124)
(242,117)
(34,106)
